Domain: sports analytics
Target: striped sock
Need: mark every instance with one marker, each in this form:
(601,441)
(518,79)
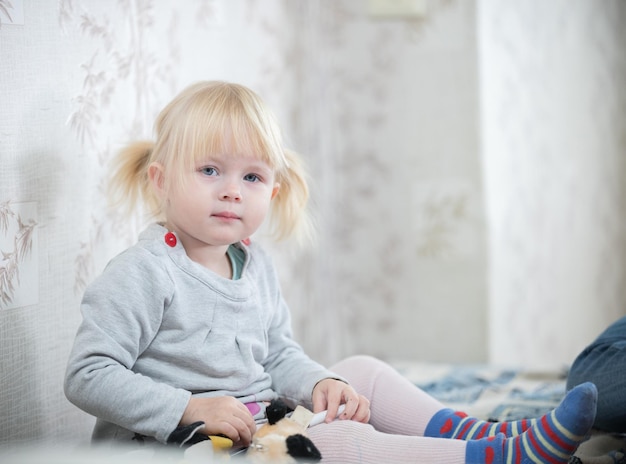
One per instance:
(448,423)
(552,439)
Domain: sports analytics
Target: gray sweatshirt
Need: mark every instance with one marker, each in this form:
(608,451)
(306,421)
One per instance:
(158,328)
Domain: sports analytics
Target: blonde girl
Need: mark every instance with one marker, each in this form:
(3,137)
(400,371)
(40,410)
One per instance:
(188,328)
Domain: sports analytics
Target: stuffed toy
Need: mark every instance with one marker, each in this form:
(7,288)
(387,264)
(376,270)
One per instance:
(282,439)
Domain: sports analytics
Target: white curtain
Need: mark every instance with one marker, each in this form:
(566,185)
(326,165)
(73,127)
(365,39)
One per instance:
(553,93)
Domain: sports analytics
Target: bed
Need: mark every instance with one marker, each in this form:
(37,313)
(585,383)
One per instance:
(499,394)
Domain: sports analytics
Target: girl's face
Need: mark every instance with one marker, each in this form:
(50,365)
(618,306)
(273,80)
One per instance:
(224,200)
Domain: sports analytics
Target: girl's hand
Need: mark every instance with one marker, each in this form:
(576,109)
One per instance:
(329,394)
(221,416)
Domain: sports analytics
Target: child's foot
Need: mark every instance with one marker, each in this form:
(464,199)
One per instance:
(552,439)
(448,423)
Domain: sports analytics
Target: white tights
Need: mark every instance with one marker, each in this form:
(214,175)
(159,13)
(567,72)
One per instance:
(400,413)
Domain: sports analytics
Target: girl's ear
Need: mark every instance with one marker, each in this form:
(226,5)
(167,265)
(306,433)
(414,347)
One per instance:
(157,177)
(275,190)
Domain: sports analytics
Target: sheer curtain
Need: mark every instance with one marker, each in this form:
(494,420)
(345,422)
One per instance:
(553,93)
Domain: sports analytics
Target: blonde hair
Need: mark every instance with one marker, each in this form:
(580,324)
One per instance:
(213,118)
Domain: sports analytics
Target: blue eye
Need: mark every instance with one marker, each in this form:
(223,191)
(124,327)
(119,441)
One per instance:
(251,178)
(208,171)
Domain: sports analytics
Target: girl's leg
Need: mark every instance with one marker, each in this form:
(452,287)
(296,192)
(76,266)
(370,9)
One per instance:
(348,442)
(399,407)
(552,440)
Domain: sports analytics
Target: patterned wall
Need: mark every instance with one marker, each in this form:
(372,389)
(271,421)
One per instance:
(387,113)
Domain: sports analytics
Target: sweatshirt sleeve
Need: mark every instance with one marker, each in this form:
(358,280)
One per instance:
(294,374)
(122,310)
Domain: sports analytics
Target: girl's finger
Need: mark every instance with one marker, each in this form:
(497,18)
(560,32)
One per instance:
(351,407)
(363,412)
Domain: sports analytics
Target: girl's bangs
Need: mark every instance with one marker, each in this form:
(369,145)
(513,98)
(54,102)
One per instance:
(234,136)
(215,119)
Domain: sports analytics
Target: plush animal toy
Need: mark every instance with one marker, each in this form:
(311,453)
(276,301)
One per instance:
(282,439)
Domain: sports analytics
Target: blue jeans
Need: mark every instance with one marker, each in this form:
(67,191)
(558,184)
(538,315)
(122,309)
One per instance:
(604,363)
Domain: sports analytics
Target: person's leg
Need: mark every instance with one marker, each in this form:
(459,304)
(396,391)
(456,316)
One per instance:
(346,442)
(603,363)
(552,440)
(399,407)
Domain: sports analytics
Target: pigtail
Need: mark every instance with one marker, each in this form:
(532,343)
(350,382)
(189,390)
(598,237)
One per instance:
(129,186)
(291,217)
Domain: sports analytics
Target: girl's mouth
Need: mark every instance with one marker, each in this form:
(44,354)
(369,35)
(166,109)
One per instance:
(226,215)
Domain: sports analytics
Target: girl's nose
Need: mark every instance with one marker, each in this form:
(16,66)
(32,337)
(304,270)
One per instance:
(231,191)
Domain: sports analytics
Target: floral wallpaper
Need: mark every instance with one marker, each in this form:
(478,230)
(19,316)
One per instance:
(11,12)
(408,127)
(16,251)
(117,64)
